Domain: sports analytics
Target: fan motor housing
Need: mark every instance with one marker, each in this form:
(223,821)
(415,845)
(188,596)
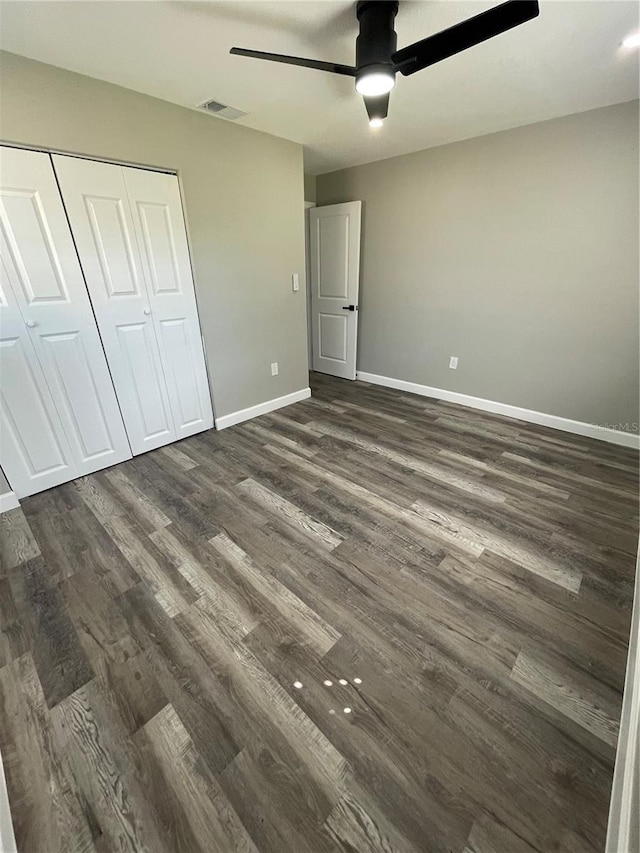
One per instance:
(377,40)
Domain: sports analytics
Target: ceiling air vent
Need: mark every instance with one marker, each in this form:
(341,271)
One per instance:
(222,110)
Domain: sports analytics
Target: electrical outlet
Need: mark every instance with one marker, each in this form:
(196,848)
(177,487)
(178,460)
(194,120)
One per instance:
(274,368)
(295,282)
(453,362)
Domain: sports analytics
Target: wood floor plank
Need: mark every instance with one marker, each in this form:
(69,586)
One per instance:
(598,711)
(178,457)
(115,657)
(352,827)
(99,500)
(135,501)
(501,589)
(275,711)
(169,587)
(229,612)
(265,794)
(489,836)
(187,797)
(525,556)
(60,660)
(510,730)
(617,490)
(282,507)
(500,474)
(271,436)
(47,813)
(98,756)
(428,469)
(61,546)
(369,622)
(380,761)
(199,698)
(17,543)
(392,510)
(321,635)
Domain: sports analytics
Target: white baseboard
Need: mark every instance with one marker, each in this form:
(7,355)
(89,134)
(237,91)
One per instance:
(626,439)
(624,810)
(8,501)
(262,408)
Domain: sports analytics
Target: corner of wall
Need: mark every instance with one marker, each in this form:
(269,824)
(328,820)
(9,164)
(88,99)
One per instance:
(310,189)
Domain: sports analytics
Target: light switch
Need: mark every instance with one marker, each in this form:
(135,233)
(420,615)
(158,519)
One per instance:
(295,282)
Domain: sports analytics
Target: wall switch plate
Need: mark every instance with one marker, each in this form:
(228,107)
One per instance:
(274,368)
(295,282)
(453,362)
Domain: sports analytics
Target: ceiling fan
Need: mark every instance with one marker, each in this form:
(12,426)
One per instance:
(378,61)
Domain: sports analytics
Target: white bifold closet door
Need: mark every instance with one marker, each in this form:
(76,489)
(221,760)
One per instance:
(129,231)
(59,417)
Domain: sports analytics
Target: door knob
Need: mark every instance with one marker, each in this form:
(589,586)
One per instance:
(348,307)
(147,311)
(31,324)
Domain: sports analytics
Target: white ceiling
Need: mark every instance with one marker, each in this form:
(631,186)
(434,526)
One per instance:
(566,61)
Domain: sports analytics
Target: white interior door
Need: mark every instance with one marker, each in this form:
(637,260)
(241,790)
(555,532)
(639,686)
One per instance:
(159,224)
(96,200)
(335,278)
(130,235)
(61,352)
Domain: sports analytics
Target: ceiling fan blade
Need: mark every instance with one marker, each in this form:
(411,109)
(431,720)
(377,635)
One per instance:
(377,106)
(466,34)
(332,67)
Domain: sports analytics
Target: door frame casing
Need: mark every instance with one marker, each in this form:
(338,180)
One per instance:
(353,212)
(307,271)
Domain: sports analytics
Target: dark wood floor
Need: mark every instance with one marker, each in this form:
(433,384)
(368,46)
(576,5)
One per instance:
(368,622)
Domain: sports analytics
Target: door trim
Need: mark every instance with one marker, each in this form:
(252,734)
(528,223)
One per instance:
(624,808)
(344,366)
(48,150)
(307,271)
(7,837)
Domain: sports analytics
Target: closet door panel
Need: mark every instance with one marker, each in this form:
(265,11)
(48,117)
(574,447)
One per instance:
(98,209)
(192,413)
(26,226)
(70,368)
(35,452)
(158,219)
(43,273)
(138,352)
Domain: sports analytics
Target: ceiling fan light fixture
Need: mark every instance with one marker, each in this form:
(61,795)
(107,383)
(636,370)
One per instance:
(632,41)
(378,59)
(375,81)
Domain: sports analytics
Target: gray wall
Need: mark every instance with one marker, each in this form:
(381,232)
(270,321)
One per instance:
(243,195)
(309,187)
(517,252)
